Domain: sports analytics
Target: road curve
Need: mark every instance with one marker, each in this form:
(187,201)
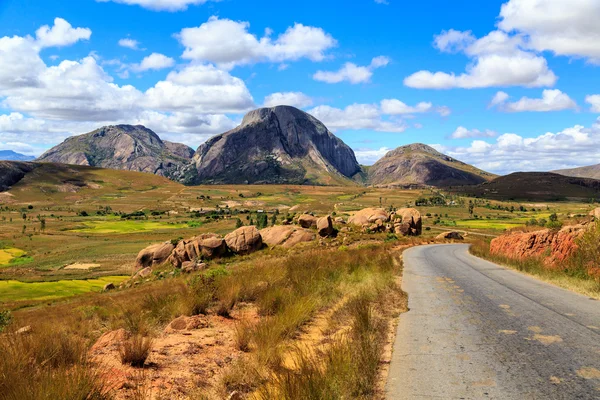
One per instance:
(476,330)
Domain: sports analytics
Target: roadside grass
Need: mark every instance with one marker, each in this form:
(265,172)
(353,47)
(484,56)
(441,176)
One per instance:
(572,276)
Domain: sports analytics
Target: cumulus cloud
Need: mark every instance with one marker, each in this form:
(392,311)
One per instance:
(552,100)
(357,116)
(367,156)
(567,28)
(129,43)
(397,107)
(61,34)
(228,43)
(594,101)
(571,147)
(351,72)
(463,133)
(159,5)
(154,61)
(497,60)
(295,99)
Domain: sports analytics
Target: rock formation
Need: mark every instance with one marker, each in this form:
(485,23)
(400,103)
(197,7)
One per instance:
(286,236)
(275,145)
(421,165)
(244,240)
(127,147)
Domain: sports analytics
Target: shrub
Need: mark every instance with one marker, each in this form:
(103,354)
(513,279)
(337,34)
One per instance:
(135,350)
(5,318)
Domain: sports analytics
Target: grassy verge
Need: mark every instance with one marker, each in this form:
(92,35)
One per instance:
(571,276)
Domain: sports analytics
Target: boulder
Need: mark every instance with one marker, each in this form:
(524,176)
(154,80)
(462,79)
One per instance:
(276,235)
(144,273)
(145,257)
(369,216)
(192,266)
(340,220)
(185,323)
(23,330)
(412,217)
(402,229)
(208,246)
(213,247)
(307,221)
(299,236)
(595,213)
(162,253)
(450,235)
(110,341)
(325,226)
(244,240)
(109,286)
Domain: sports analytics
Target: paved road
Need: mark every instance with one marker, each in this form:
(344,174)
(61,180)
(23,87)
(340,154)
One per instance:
(476,330)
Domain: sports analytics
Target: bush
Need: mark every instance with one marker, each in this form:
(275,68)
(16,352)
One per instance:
(5,318)
(135,350)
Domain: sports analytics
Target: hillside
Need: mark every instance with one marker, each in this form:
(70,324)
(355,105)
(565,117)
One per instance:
(421,165)
(9,155)
(535,186)
(592,172)
(12,172)
(126,147)
(275,145)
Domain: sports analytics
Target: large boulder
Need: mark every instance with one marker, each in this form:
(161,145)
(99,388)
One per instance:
(244,240)
(155,254)
(595,213)
(299,236)
(452,235)
(307,221)
(412,217)
(369,216)
(207,246)
(286,236)
(325,226)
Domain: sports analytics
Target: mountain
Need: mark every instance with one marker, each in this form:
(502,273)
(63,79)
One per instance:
(12,172)
(421,165)
(9,155)
(126,147)
(275,145)
(592,171)
(535,186)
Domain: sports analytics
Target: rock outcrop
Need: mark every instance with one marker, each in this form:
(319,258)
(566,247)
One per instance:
(450,236)
(412,223)
(155,254)
(325,226)
(127,147)
(553,246)
(286,236)
(421,165)
(369,216)
(275,145)
(307,221)
(244,240)
(207,246)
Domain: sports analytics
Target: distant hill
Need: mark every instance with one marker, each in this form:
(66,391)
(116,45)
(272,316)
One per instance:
(275,145)
(535,186)
(126,147)
(421,165)
(592,171)
(12,172)
(9,155)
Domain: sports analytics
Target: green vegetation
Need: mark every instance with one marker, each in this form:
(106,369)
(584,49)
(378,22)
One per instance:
(11,291)
(126,226)
(8,256)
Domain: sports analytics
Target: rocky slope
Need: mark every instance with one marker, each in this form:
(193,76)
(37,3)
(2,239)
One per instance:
(127,147)
(535,186)
(421,165)
(12,172)
(275,145)
(592,171)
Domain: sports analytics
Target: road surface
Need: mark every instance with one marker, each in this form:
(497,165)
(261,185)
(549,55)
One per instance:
(476,330)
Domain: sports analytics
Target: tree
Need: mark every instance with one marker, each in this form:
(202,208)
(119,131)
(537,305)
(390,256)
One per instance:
(261,221)
(42,225)
(471,207)
(238,223)
(273,220)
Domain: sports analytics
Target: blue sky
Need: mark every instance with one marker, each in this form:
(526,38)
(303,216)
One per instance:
(507,85)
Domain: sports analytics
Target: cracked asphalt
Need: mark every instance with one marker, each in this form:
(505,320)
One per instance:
(476,330)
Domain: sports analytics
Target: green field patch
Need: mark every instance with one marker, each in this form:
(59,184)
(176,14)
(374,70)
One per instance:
(496,224)
(7,256)
(126,226)
(17,291)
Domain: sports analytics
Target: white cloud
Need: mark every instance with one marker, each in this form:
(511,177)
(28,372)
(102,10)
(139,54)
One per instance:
(497,60)
(397,107)
(351,72)
(295,99)
(159,5)
(367,156)
(576,146)
(356,116)
(129,43)
(594,101)
(463,133)
(201,89)
(565,27)
(154,61)
(61,34)
(498,98)
(552,100)
(228,43)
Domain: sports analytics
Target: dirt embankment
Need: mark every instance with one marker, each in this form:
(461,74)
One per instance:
(554,246)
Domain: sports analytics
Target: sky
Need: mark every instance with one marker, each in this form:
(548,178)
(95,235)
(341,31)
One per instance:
(507,85)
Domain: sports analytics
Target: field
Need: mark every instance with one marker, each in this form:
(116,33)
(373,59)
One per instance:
(57,216)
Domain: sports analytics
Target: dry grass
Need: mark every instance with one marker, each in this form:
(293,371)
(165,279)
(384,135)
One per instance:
(135,350)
